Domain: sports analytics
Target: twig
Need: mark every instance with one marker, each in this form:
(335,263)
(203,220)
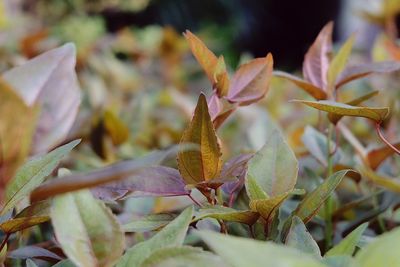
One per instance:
(382,137)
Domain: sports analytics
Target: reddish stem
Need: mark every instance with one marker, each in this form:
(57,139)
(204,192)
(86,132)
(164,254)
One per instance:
(4,242)
(195,201)
(382,137)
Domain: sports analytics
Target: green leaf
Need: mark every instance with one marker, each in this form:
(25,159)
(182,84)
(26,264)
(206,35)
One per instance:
(268,207)
(204,163)
(299,238)
(274,167)
(375,114)
(244,252)
(383,251)
(339,62)
(30,263)
(339,261)
(183,256)
(87,230)
(392,184)
(32,174)
(316,144)
(227,214)
(171,235)
(334,118)
(64,263)
(310,205)
(148,223)
(349,243)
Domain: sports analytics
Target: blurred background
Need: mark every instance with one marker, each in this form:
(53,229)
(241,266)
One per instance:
(140,81)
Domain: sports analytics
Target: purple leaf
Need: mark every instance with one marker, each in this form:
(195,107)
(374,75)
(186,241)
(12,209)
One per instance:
(358,71)
(50,81)
(33,252)
(316,61)
(150,181)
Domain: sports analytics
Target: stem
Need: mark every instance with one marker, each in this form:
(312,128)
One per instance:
(4,242)
(195,201)
(382,137)
(329,201)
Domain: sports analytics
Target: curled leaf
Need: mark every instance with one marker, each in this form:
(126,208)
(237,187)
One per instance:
(50,82)
(251,81)
(202,164)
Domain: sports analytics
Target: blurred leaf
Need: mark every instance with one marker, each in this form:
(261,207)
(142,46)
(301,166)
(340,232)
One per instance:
(118,131)
(339,261)
(90,235)
(108,174)
(64,263)
(30,263)
(375,114)
(348,245)
(339,62)
(316,61)
(33,252)
(316,144)
(377,155)
(148,181)
(227,214)
(251,81)
(36,81)
(148,223)
(310,205)
(204,163)
(274,167)
(244,252)
(381,252)
(33,173)
(214,67)
(392,184)
(334,118)
(171,235)
(32,215)
(299,238)
(17,122)
(356,72)
(311,89)
(183,256)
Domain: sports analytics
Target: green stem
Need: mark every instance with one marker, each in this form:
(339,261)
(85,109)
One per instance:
(329,201)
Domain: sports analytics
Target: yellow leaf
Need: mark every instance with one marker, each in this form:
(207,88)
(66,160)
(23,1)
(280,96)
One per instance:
(116,128)
(267,207)
(375,114)
(214,67)
(17,125)
(339,62)
(203,163)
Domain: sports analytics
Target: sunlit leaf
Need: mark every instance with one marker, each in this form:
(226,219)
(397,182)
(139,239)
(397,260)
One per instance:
(227,214)
(49,81)
(17,122)
(251,81)
(358,71)
(381,251)
(311,89)
(375,114)
(214,67)
(90,235)
(183,256)
(334,118)
(204,163)
(316,61)
(339,62)
(244,252)
(171,235)
(32,215)
(33,173)
(299,238)
(348,245)
(274,167)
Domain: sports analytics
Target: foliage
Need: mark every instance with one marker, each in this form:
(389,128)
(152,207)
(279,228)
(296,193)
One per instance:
(106,159)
